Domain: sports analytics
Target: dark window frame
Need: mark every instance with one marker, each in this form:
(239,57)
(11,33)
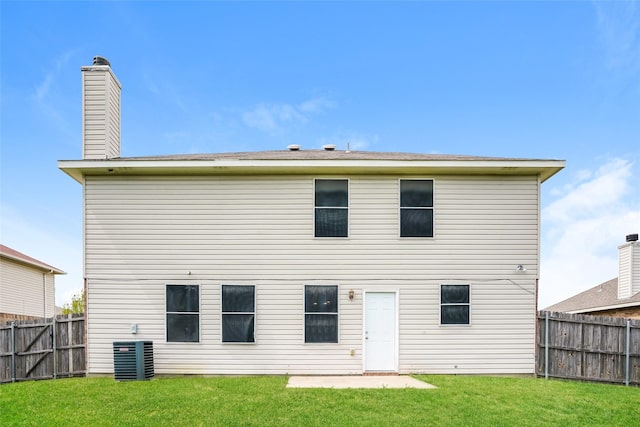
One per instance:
(224,314)
(333,313)
(402,209)
(169,314)
(316,208)
(455,304)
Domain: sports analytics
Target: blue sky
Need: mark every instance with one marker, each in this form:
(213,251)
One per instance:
(557,80)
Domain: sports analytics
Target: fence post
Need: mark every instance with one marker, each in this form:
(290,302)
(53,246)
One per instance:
(55,361)
(626,370)
(70,342)
(546,345)
(13,352)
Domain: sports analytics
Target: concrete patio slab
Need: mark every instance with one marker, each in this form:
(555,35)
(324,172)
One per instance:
(357,381)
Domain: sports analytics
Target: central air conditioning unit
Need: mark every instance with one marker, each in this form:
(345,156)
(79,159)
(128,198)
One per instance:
(133,360)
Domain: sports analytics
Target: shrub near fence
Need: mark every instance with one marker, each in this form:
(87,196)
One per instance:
(593,348)
(42,348)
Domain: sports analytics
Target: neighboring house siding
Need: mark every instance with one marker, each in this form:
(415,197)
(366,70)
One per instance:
(25,291)
(145,232)
(628,312)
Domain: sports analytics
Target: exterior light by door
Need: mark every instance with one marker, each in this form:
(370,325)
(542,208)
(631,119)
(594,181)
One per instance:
(352,294)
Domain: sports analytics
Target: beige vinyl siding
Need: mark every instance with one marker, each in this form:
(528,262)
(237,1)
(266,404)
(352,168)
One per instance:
(145,232)
(101,114)
(25,290)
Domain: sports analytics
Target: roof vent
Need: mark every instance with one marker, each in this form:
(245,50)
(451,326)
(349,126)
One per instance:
(100,60)
(293,147)
(329,147)
(632,237)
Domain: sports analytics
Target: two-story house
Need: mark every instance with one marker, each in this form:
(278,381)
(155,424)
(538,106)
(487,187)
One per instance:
(306,261)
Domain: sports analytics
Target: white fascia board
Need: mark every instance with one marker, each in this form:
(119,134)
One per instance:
(77,168)
(606,307)
(42,266)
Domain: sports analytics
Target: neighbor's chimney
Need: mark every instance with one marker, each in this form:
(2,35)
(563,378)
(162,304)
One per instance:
(100,111)
(629,276)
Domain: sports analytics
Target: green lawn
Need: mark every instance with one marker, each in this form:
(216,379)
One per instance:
(264,401)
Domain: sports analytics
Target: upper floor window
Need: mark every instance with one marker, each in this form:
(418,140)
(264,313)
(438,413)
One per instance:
(454,304)
(416,208)
(183,313)
(238,313)
(331,208)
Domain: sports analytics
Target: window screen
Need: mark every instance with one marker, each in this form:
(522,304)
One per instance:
(416,208)
(331,208)
(238,313)
(321,314)
(454,304)
(183,313)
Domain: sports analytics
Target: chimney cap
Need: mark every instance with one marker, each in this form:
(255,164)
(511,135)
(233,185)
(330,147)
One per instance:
(632,237)
(101,60)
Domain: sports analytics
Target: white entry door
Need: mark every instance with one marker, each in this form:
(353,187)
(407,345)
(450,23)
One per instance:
(380,331)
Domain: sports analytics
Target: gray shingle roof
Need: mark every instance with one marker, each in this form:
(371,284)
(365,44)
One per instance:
(318,155)
(602,295)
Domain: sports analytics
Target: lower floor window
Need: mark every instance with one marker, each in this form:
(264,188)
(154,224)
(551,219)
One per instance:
(454,304)
(183,313)
(238,313)
(320,314)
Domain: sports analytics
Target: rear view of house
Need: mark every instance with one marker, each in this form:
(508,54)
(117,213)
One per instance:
(27,286)
(306,261)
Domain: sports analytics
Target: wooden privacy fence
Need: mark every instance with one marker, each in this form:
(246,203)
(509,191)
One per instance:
(592,348)
(42,348)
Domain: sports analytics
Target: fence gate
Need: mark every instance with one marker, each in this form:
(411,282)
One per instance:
(42,349)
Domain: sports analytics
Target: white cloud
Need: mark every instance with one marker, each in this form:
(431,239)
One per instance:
(273,117)
(355,141)
(583,228)
(619,29)
(46,95)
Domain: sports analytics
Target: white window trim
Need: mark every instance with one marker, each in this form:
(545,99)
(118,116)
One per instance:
(166,341)
(304,324)
(454,325)
(255,315)
(432,208)
(348,208)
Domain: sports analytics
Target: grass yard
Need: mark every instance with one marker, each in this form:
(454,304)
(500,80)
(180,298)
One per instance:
(264,401)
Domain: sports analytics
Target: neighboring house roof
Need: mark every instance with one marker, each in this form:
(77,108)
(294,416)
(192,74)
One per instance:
(311,161)
(601,297)
(12,254)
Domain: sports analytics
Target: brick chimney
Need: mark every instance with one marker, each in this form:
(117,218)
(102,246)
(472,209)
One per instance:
(100,111)
(629,276)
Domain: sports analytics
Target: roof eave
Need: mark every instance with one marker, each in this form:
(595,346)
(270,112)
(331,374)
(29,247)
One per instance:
(41,266)
(545,169)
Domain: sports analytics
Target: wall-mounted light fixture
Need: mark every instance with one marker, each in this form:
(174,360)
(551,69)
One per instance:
(352,294)
(520,268)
